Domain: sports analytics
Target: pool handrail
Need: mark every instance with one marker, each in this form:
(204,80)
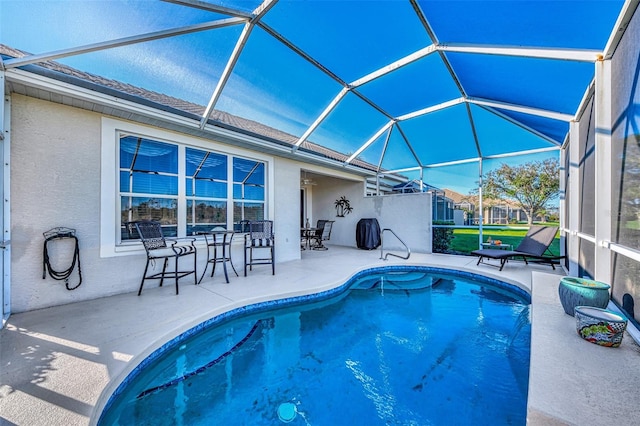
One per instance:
(389,253)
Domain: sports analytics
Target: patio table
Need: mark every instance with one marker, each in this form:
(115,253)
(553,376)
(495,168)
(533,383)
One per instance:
(497,246)
(218,239)
(307,235)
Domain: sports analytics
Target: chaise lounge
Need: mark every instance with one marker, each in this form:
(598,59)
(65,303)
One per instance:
(533,247)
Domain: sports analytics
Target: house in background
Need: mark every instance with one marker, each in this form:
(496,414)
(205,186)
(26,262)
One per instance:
(442,205)
(495,212)
(464,208)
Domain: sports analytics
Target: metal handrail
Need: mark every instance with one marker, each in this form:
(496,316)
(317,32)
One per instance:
(392,254)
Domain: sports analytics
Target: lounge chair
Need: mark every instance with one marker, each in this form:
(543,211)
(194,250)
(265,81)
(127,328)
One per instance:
(533,247)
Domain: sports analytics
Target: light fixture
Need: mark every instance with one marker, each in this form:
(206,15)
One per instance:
(307,180)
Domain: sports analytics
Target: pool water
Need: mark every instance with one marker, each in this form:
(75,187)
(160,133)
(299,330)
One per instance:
(400,348)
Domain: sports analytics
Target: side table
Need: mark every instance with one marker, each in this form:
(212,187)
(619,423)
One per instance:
(218,240)
(497,246)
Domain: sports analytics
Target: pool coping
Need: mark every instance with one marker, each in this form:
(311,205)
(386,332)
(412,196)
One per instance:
(60,364)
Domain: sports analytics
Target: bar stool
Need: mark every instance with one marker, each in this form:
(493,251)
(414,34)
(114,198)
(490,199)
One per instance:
(219,242)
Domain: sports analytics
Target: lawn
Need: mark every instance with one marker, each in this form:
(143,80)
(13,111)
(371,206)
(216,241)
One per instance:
(465,240)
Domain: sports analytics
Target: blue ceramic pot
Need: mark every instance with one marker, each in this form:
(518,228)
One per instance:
(582,292)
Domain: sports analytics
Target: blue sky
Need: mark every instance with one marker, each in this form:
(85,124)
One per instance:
(273,85)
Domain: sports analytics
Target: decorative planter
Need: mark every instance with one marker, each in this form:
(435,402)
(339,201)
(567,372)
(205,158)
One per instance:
(582,292)
(600,326)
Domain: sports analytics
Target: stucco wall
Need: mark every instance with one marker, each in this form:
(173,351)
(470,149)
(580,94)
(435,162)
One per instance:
(55,181)
(287,210)
(408,215)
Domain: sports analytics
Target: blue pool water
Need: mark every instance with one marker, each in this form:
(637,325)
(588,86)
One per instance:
(405,346)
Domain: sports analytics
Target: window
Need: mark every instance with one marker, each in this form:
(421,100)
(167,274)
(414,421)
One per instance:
(148,183)
(186,189)
(248,190)
(206,190)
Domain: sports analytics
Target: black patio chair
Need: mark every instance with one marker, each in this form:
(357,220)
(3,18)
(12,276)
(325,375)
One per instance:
(533,247)
(312,234)
(323,235)
(260,236)
(159,247)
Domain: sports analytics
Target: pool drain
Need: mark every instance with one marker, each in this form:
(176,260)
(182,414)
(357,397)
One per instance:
(287,411)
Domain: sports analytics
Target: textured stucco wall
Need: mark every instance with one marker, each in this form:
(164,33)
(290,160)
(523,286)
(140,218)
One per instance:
(408,215)
(287,210)
(55,181)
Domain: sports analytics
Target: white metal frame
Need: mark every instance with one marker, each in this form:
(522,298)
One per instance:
(603,170)
(601,89)
(5,186)
(250,20)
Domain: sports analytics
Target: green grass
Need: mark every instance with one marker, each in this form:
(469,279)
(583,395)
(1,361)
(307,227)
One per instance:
(465,240)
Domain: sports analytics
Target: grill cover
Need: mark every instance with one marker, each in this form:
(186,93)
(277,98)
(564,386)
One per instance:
(368,234)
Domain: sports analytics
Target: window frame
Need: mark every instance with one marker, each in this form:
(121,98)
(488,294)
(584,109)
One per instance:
(110,241)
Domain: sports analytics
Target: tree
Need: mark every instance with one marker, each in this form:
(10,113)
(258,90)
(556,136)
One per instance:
(531,185)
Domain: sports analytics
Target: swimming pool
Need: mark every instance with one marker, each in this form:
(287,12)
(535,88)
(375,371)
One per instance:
(394,345)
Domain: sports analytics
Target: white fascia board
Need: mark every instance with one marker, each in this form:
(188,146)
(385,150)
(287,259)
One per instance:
(322,116)
(419,54)
(523,109)
(310,157)
(628,9)
(76,92)
(51,85)
(226,73)
(430,109)
(580,55)
(370,141)
(31,59)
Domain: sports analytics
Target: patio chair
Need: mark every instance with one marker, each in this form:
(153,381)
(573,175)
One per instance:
(159,247)
(308,234)
(533,246)
(259,237)
(323,235)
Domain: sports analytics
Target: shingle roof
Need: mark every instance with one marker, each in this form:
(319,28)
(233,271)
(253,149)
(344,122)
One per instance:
(219,118)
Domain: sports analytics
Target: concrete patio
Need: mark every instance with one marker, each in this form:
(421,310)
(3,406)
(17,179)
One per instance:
(59,365)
